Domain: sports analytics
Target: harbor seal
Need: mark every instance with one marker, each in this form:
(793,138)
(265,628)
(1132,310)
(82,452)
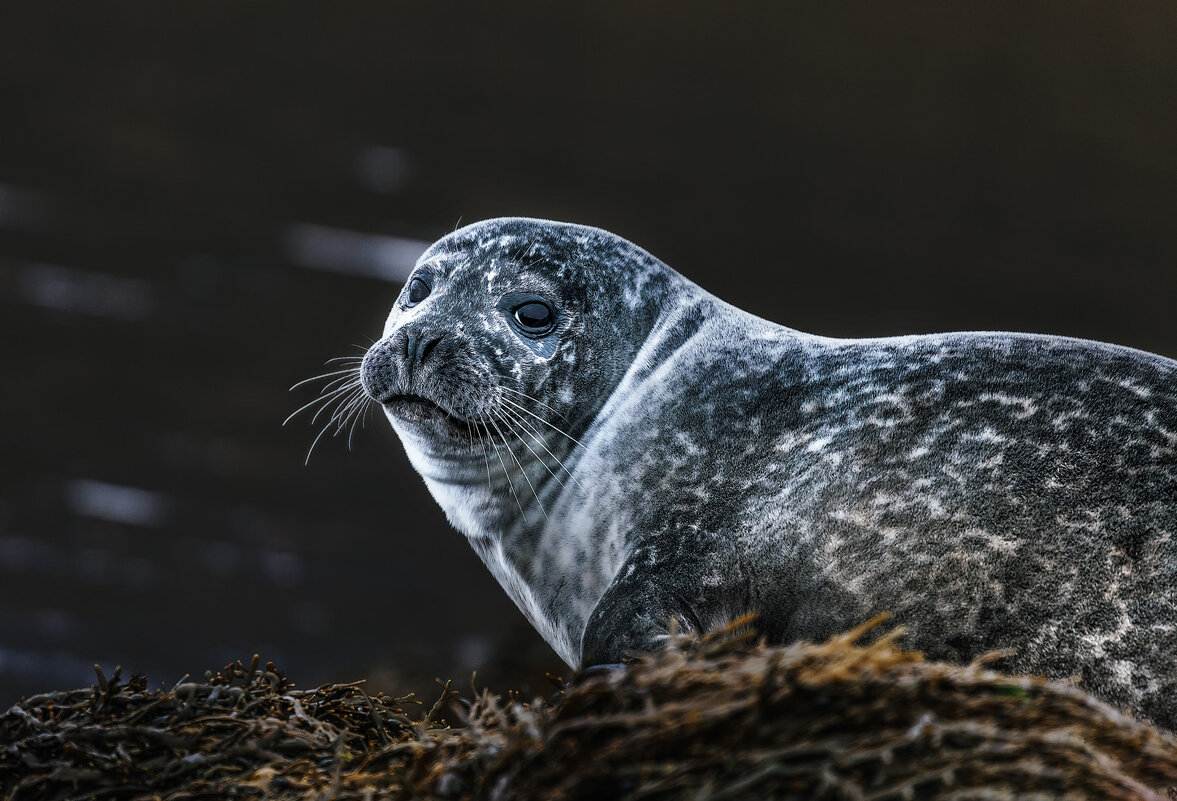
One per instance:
(623,450)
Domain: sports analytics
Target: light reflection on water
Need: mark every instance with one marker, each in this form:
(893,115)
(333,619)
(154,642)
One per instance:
(50,669)
(26,556)
(25,209)
(130,505)
(384,169)
(320,247)
(83,292)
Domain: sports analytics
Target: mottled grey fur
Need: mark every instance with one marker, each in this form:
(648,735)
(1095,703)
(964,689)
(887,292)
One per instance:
(993,490)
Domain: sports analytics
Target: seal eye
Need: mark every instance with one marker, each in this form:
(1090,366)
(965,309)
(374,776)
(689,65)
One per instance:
(534,317)
(418,290)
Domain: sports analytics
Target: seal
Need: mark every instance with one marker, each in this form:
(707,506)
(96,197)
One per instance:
(627,452)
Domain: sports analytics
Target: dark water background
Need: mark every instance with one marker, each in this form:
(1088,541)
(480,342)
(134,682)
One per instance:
(202,202)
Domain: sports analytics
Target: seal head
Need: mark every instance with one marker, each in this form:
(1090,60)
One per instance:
(504,344)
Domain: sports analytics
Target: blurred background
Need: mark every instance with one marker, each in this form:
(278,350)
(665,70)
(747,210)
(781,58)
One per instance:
(201,202)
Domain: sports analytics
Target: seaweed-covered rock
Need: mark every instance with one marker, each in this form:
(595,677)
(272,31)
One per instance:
(720,718)
(836,721)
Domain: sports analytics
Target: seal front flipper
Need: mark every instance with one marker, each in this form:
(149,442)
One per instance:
(635,614)
(598,670)
(624,626)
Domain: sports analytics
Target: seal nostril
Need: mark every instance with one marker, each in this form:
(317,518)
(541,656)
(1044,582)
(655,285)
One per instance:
(418,346)
(428,345)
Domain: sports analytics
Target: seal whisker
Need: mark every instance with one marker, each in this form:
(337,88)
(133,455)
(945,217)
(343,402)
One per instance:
(311,450)
(343,401)
(323,398)
(317,377)
(485,458)
(555,428)
(341,407)
(339,383)
(507,417)
(342,394)
(506,472)
(533,399)
(358,413)
(344,376)
(343,411)
(539,440)
(521,468)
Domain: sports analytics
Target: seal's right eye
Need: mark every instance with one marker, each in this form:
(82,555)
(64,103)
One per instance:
(418,291)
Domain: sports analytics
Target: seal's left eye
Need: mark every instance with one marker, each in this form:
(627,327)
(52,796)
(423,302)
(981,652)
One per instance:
(418,290)
(534,317)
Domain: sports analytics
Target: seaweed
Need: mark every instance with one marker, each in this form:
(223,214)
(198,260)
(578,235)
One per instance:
(718,717)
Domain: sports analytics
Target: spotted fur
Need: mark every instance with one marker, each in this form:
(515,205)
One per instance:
(993,490)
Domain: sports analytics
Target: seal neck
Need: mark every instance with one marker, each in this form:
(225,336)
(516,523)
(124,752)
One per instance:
(492,488)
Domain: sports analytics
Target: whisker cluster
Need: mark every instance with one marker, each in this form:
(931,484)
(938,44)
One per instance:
(512,421)
(342,400)
(343,405)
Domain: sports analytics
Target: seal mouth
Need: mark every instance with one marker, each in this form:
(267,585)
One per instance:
(419,409)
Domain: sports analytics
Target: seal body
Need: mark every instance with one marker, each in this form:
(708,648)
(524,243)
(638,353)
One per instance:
(656,454)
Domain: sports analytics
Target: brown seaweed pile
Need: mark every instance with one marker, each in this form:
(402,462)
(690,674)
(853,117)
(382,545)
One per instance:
(717,718)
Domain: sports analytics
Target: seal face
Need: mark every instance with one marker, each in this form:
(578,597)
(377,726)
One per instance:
(496,359)
(624,449)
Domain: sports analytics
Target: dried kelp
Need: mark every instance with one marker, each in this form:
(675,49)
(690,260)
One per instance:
(720,718)
(837,721)
(241,732)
